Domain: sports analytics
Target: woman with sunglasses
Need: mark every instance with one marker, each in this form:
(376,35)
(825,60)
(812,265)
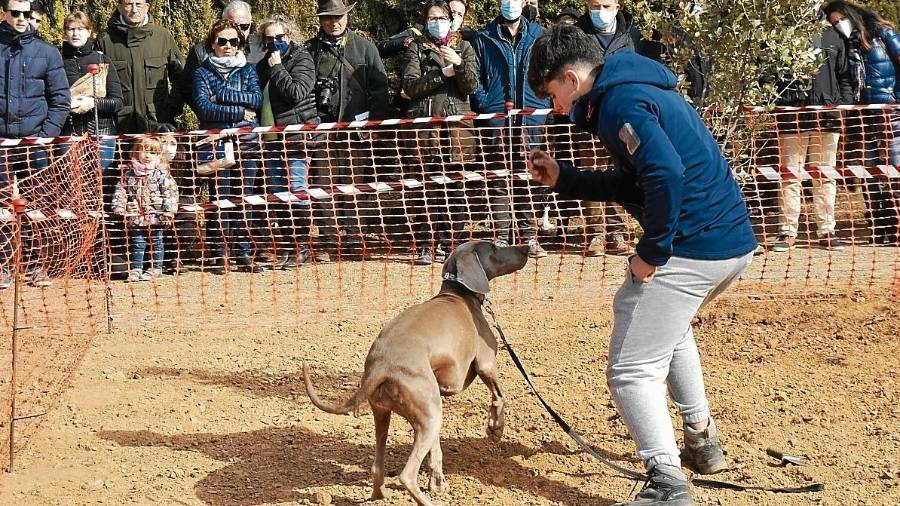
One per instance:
(227,95)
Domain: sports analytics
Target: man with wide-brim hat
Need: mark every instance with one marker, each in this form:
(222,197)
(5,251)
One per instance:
(351,84)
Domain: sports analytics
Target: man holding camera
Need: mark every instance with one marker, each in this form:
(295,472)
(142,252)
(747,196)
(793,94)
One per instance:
(351,84)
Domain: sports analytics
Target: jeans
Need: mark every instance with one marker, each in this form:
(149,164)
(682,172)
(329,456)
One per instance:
(653,345)
(139,238)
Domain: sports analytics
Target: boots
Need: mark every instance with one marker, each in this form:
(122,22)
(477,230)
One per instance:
(702,452)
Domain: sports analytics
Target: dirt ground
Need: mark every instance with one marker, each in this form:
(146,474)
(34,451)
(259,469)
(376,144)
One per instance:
(201,403)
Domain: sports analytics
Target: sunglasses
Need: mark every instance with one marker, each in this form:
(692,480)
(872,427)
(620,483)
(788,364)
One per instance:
(15,13)
(271,38)
(245,27)
(222,41)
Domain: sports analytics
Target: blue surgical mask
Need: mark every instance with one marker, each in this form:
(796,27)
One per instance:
(439,28)
(602,19)
(281,46)
(511,10)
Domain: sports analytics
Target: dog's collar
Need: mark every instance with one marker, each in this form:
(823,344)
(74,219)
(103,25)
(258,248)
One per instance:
(449,276)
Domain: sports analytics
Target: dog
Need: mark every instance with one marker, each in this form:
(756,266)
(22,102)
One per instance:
(430,350)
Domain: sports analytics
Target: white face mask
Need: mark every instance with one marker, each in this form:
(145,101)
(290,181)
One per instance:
(844,27)
(456,23)
(603,19)
(171,149)
(511,10)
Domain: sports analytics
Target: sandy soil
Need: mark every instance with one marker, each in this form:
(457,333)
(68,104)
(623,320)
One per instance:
(199,401)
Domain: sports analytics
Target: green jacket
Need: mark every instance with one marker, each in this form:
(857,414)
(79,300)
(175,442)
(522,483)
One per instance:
(363,83)
(150,67)
(430,91)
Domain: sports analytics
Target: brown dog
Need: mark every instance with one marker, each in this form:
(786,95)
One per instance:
(430,350)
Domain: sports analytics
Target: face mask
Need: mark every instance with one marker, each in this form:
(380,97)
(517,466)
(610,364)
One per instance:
(439,28)
(844,27)
(281,46)
(511,10)
(171,149)
(456,23)
(530,12)
(602,19)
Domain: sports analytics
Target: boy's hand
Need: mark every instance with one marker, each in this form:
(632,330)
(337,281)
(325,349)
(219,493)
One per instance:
(641,270)
(543,168)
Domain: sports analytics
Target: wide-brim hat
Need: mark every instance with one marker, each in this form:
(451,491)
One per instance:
(333,8)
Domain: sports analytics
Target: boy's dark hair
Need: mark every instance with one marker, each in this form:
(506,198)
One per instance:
(561,47)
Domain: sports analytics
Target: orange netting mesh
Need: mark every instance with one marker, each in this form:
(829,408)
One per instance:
(290,225)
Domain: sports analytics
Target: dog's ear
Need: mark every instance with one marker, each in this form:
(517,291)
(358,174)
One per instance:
(470,272)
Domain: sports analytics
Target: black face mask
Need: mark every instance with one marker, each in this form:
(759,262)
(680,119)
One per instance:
(529,12)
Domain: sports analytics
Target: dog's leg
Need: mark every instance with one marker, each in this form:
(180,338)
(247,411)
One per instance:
(424,414)
(438,482)
(382,424)
(486,367)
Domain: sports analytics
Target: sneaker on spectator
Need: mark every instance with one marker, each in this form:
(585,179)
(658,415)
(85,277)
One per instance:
(595,248)
(40,279)
(617,245)
(284,261)
(832,243)
(662,489)
(249,265)
(5,280)
(425,257)
(214,266)
(783,243)
(535,250)
(439,255)
(134,276)
(151,274)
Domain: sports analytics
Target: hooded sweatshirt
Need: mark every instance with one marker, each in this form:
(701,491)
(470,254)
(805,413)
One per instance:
(669,174)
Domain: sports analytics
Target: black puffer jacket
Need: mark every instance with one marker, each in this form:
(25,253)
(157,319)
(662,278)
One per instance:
(76,61)
(627,36)
(291,86)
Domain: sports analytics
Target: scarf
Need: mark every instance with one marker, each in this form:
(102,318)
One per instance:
(141,169)
(225,64)
(120,22)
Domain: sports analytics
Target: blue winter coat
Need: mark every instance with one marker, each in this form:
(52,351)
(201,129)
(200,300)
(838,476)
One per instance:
(669,174)
(503,72)
(882,69)
(220,101)
(34,91)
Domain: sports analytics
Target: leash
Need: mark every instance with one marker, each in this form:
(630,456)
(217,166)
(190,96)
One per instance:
(624,471)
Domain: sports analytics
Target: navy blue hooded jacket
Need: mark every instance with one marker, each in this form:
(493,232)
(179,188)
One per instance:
(669,174)
(503,70)
(34,91)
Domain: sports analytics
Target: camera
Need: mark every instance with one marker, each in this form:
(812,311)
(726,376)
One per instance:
(325,90)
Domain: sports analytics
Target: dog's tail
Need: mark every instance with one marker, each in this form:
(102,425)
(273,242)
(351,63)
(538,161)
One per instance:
(366,387)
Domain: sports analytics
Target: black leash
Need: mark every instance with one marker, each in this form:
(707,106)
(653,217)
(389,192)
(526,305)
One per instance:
(625,472)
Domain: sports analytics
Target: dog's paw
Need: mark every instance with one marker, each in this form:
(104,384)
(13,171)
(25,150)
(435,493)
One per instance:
(377,494)
(495,432)
(437,484)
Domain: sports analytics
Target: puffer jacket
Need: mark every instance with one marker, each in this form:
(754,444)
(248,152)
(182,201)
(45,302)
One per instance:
(291,85)
(153,196)
(76,61)
(221,100)
(150,66)
(882,68)
(433,93)
(197,54)
(503,70)
(34,92)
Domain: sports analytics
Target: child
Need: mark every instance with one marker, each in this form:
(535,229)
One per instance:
(147,197)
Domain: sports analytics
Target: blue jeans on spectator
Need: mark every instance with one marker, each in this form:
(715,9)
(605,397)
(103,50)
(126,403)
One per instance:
(287,172)
(139,236)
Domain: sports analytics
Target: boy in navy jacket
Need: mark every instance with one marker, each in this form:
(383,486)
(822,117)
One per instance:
(671,176)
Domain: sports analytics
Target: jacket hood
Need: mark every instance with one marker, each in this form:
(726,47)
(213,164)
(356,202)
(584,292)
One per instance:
(626,67)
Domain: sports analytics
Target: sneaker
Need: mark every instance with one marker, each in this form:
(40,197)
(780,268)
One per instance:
(425,257)
(702,452)
(249,265)
(617,245)
(214,266)
(783,243)
(832,243)
(283,262)
(535,250)
(303,255)
(40,279)
(134,276)
(595,248)
(662,490)
(439,255)
(151,274)
(5,280)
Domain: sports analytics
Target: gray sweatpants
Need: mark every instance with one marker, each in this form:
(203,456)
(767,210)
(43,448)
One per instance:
(652,345)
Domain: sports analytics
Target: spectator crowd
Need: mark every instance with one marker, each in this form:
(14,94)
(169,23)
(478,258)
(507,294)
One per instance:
(248,73)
